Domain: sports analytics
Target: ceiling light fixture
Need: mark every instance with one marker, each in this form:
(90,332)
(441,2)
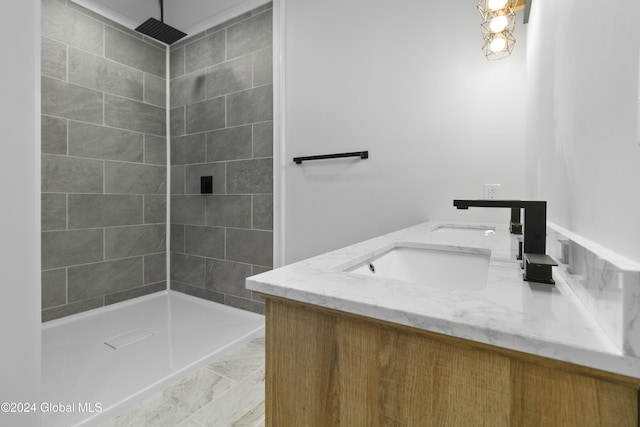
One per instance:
(498,24)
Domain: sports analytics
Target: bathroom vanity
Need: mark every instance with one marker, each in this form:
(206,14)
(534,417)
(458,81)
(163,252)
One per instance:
(367,335)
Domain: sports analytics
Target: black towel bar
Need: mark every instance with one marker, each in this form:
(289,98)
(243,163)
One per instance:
(361,154)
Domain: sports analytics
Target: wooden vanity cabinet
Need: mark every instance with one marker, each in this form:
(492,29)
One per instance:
(329,368)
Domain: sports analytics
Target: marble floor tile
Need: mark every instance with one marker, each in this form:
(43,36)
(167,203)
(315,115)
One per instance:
(252,418)
(175,403)
(227,393)
(243,398)
(189,423)
(239,364)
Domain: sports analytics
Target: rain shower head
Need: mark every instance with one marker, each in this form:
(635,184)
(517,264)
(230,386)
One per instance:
(159,30)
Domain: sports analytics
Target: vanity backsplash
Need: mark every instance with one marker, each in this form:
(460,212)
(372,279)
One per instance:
(606,283)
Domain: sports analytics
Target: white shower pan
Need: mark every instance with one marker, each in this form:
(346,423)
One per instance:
(113,357)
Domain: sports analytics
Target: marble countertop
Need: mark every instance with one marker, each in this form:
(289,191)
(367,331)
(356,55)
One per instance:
(548,321)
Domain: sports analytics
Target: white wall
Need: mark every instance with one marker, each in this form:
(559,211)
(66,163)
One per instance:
(582,152)
(20,213)
(408,82)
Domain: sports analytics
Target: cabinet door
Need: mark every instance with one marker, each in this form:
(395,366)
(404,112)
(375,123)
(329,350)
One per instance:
(326,368)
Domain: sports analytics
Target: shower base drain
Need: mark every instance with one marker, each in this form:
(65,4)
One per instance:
(128,338)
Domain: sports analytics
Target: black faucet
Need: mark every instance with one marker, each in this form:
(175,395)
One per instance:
(537,264)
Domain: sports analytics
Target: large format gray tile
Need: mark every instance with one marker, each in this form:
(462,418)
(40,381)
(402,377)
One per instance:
(69,309)
(204,241)
(258,10)
(155,268)
(133,115)
(188,149)
(53,135)
(154,42)
(187,269)
(54,288)
(71,101)
(133,178)
(176,121)
(195,172)
(262,212)
(204,52)
(54,59)
(176,62)
(134,293)
(103,210)
(101,18)
(204,294)
(253,34)
(229,144)
(187,210)
(155,90)
(98,73)
(229,278)
(229,211)
(229,22)
(100,142)
(176,403)
(263,67)
(250,176)
(250,106)
(256,269)
(250,246)
(230,76)
(177,238)
(177,179)
(155,209)
(155,149)
(187,89)
(205,115)
(244,304)
(68,26)
(92,280)
(263,139)
(135,53)
(54,212)
(125,242)
(64,248)
(70,175)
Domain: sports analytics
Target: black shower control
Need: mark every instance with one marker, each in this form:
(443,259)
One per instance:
(206,184)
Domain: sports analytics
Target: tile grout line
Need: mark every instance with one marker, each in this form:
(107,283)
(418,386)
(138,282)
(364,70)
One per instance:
(97,124)
(103,92)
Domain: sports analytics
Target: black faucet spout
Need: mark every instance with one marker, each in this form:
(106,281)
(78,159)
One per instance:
(537,264)
(515,226)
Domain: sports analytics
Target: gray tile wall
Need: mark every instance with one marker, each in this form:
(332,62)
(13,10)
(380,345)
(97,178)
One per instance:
(103,162)
(221,125)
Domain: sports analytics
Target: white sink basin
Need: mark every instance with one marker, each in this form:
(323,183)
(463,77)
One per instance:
(443,268)
(469,230)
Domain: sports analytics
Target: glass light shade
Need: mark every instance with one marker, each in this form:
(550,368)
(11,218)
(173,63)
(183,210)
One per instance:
(491,8)
(498,44)
(499,23)
(496,4)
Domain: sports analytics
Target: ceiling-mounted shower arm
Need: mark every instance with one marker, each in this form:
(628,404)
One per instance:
(161,11)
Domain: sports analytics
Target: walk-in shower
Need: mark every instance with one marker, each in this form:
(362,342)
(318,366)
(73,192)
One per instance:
(142,274)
